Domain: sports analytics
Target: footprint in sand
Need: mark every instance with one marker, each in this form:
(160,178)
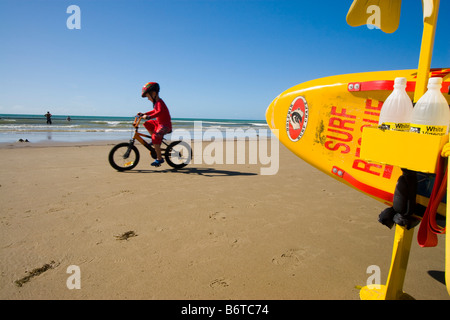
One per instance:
(220,216)
(55,209)
(219,283)
(238,242)
(291,258)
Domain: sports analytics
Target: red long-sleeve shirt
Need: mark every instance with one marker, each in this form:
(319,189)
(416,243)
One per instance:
(161,113)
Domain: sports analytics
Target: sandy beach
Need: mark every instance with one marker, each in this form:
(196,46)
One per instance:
(216,231)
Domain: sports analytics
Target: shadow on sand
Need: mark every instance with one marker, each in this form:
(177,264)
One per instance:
(437,275)
(207,172)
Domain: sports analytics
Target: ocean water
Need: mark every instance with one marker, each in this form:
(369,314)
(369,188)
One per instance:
(104,128)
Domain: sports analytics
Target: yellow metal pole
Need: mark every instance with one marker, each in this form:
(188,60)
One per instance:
(426,51)
(446,153)
(397,272)
(447,241)
(393,290)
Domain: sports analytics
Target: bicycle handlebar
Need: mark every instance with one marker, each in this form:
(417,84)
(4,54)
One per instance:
(137,120)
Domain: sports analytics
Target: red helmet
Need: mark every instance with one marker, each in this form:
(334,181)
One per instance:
(150,86)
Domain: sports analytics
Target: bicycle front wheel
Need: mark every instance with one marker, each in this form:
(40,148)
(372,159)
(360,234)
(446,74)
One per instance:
(178,154)
(124,156)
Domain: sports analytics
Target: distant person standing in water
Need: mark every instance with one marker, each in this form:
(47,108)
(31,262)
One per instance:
(49,117)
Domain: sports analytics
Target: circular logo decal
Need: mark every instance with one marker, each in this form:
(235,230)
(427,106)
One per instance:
(297,119)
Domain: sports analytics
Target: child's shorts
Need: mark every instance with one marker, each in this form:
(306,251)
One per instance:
(158,130)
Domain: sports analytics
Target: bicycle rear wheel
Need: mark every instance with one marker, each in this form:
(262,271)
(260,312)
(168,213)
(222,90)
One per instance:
(124,156)
(178,154)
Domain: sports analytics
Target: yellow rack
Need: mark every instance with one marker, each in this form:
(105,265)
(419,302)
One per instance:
(418,152)
(414,151)
(406,150)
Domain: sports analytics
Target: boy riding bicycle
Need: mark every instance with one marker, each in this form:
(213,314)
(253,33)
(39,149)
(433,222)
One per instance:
(162,124)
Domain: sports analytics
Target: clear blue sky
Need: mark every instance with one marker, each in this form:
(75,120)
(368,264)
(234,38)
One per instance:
(213,58)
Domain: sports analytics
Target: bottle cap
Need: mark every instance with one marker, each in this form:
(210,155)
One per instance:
(435,80)
(400,81)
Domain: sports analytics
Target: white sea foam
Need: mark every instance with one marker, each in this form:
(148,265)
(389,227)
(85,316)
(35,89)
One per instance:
(101,128)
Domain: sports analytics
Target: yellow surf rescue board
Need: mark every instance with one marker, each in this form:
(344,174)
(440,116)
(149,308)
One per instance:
(321,121)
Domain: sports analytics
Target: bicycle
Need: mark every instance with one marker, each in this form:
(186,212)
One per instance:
(125,155)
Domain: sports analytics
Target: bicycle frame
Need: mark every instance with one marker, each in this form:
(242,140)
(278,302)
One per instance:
(139,137)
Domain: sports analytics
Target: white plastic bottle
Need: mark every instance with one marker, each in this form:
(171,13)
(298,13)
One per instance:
(397,109)
(431,114)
